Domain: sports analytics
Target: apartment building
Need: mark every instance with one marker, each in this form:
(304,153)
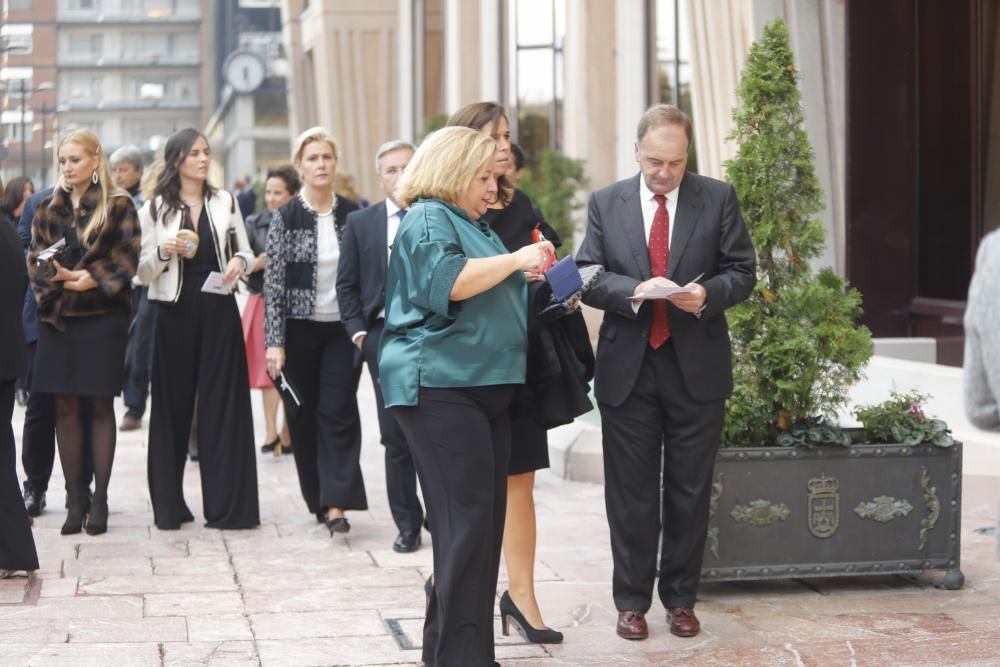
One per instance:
(131,71)
(28,78)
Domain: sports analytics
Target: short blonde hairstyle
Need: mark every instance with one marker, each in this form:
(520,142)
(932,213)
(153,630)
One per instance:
(445,165)
(311,135)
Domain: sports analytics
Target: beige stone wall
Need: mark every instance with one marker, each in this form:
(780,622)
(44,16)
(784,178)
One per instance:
(344,77)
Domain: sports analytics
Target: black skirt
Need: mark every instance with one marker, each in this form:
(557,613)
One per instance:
(87,359)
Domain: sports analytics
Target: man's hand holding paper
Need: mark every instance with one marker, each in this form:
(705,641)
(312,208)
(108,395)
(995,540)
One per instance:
(688,298)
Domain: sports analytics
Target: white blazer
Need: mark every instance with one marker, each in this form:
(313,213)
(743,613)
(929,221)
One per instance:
(165,277)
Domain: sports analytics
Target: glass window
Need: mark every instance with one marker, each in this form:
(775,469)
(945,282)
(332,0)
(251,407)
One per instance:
(17,38)
(18,5)
(540,27)
(672,69)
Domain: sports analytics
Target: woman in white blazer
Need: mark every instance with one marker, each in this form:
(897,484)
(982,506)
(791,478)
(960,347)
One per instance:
(190,231)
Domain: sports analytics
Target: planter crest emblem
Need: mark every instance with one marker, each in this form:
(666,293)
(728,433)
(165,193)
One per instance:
(824,506)
(760,513)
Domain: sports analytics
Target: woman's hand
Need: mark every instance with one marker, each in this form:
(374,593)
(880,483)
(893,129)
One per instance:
(65,275)
(234,271)
(275,357)
(259,262)
(532,257)
(80,283)
(173,246)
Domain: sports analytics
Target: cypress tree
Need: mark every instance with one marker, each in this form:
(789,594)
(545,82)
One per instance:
(797,346)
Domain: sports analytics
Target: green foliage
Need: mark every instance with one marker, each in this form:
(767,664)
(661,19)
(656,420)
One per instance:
(901,420)
(431,123)
(553,185)
(797,346)
(813,433)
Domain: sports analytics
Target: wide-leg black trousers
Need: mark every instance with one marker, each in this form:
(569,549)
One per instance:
(198,356)
(17,546)
(460,440)
(326,430)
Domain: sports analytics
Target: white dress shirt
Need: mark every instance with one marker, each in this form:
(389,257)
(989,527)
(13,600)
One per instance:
(649,207)
(328,256)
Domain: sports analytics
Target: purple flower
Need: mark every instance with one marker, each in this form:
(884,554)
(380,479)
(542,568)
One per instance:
(915,410)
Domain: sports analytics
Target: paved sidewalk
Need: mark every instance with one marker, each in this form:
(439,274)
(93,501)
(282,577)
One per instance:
(288,594)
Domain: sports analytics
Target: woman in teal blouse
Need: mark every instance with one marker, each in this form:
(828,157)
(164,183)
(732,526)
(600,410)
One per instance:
(453,348)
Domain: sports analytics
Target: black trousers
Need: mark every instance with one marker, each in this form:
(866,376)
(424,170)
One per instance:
(198,356)
(659,430)
(460,439)
(17,546)
(139,353)
(400,474)
(38,436)
(326,431)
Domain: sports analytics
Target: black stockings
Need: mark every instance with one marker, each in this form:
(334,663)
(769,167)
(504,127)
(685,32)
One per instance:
(70,425)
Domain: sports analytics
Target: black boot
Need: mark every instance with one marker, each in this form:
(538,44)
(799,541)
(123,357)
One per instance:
(97,519)
(77,505)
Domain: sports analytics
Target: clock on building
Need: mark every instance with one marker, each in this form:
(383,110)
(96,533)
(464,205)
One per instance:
(244,71)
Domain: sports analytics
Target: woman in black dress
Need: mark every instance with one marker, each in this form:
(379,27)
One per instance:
(191,230)
(84,303)
(518,222)
(17,547)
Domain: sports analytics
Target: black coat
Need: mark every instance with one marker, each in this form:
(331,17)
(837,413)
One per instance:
(13,283)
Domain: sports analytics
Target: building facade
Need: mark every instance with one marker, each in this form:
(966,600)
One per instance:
(131,71)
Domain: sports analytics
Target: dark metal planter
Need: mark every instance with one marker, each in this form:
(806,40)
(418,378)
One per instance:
(788,512)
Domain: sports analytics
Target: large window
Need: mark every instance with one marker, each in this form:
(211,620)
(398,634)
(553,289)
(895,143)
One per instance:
(538,73)
(672,68)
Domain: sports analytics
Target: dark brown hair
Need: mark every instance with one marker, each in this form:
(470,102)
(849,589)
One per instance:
(288,174)
(476,116)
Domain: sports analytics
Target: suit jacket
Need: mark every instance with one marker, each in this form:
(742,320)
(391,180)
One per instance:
(708,237)
(13,282)
(361,272)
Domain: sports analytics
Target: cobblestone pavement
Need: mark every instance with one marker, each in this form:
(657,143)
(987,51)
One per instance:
(288,594)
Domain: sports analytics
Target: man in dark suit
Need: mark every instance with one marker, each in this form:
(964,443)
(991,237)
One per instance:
(246,198)
(364,256)
(663,365)
(38,437)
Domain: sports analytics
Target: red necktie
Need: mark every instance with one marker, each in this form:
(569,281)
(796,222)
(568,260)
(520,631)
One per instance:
(659,255)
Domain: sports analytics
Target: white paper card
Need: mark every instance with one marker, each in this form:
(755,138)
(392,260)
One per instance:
(214,284)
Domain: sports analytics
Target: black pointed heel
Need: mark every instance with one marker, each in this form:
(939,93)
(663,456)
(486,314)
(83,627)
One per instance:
(76,506)
(97,519)
(509,611)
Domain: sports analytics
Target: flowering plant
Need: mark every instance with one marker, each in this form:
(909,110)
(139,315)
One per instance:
(901,420)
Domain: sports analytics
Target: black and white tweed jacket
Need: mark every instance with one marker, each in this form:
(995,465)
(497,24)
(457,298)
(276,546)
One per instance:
(290,271)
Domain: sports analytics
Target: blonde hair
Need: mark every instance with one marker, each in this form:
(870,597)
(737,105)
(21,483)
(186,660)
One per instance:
(150,177)
(445,165)
(311,135)
(89,142)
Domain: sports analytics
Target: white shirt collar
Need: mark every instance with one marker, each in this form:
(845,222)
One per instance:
(647,195)
(390,208)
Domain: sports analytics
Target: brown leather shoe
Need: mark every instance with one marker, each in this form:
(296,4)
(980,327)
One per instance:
(130,423)
(632,625)
(683,622)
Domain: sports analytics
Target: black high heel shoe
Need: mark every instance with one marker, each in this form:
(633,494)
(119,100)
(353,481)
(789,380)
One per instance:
(77,506)
(97,519)
(509,610)
(338,525)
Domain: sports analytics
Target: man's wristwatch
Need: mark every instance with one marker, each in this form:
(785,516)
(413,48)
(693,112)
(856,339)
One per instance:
(701,310)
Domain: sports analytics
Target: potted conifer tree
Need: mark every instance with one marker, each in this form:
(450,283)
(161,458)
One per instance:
(794,494)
